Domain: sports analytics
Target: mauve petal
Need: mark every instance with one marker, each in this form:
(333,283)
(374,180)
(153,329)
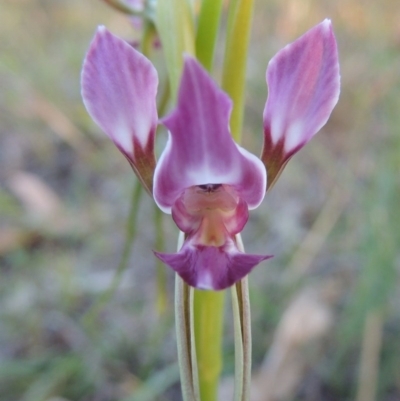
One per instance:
(119,87)
(303,88)
(209,267)
(200,149)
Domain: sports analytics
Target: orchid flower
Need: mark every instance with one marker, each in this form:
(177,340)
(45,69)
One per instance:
(206,181)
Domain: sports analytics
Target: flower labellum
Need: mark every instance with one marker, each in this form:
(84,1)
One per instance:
(204,179)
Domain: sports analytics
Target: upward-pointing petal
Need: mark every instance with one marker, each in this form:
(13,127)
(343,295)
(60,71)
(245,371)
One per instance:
(200,149)
(303,88)
(119,87)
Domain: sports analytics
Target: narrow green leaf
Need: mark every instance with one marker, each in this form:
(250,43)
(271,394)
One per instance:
(231,16)
(244,304)
(161,272)
(195,370)
(156,385)
(125,7)
(237,326)
(93,312)
(175,25)
(47,383)
(242,328)
(234,71)
(184,337)
(371,350)
(207,29)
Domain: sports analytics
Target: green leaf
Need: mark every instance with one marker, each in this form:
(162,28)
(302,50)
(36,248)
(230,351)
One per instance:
(207,29)
(156,385)
(161,271)
(89,318)
(185,337)
(125,7)
(175,25)
(242,332)
(234,71)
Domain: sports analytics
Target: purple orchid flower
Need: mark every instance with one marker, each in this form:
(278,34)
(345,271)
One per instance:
(203,178)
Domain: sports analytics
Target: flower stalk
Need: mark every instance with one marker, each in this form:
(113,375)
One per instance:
(208,328)
(236,49)
(207,31)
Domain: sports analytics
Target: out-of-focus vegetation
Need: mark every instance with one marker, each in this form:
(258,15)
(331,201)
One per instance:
(326,309)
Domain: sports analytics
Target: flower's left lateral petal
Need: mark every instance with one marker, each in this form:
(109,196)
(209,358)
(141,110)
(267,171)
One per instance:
(200,149)
(303,88)
(119,87)
(209,267)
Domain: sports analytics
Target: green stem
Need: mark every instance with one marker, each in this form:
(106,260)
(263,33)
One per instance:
(208,324)
(149,33)
(208,306)
(91,315)
(162,299)
(234,72)
(207,29)
(175,25)
(124,7)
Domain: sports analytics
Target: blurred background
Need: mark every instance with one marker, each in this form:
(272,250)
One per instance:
(325,309)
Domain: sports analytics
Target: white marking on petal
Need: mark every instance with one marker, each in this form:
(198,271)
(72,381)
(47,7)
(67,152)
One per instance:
(276,128)
(205,281)
(142,129)
(123,132)
(294,135)
(326,25)
(123,135)
(209,174)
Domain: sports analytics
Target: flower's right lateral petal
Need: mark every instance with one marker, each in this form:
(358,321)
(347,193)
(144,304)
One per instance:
(303,84)
(119,87)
